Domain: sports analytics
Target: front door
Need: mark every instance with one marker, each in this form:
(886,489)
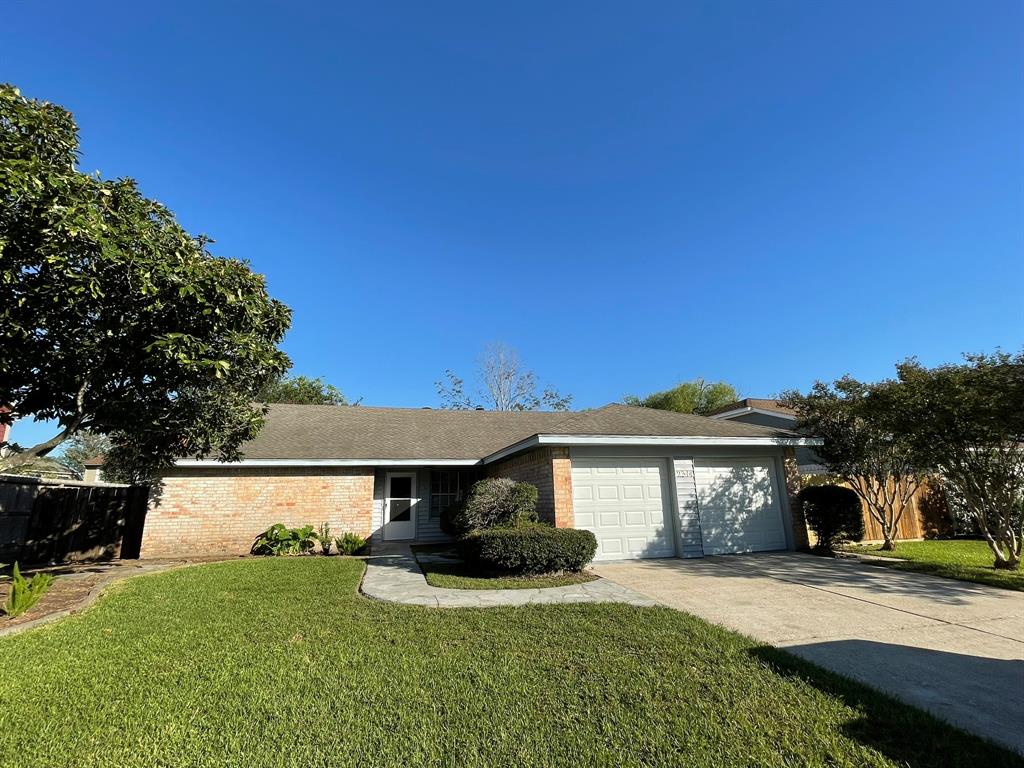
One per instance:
(399,523)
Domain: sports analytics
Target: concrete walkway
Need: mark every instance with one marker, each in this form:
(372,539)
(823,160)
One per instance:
(393,575)
(951,647)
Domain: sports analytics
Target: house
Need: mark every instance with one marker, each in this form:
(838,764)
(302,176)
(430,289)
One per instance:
(648,483)
(767,412)
(93,472)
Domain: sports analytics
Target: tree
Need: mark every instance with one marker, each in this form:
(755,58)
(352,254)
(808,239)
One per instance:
(861,447)
(697,396)
(966,423)
(83,446)
(504,385)
(114,319)
(301,390)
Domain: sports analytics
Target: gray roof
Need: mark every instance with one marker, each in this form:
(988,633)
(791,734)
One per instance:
(362,432)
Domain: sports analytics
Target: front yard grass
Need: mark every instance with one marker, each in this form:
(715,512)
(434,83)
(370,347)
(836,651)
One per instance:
(964,559)
(279,662)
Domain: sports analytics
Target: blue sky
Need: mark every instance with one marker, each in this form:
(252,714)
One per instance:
(630,194)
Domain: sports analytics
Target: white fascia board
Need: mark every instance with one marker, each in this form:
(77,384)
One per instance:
(327,463)
(650,440)
(743,411)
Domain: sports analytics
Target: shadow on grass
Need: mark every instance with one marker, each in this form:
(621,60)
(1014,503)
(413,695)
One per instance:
(900,731)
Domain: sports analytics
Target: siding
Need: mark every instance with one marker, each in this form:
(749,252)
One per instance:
(688,513)
(427,530)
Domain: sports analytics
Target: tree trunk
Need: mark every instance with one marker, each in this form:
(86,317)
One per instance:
(888,543)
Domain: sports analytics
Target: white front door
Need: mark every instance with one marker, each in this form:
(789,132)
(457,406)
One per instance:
(739,506)
(399,506)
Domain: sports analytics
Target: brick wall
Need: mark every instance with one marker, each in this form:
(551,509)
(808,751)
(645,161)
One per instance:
(213,510)
(792,477)
(550,469)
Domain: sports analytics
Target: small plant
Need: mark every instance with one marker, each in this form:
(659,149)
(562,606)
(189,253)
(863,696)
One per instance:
(278,539)
(324,537)
(349,543)
(834,514)
(25,592)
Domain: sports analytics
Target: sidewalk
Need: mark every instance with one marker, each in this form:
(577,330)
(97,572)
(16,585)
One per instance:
(393,575)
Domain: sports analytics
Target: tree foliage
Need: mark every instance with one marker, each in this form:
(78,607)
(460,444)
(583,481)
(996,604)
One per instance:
(504,385)
(302,390)
(966,423)
(697,396)
(861,447)
(114,319)
(83,446)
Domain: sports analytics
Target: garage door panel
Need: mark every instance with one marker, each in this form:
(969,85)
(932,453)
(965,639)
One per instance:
(620,500)
(739,506)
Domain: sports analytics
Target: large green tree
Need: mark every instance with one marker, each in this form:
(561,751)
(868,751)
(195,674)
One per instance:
(966,424)
(83,446)
(113,318)
(697,396)
(302,390)
(855,420)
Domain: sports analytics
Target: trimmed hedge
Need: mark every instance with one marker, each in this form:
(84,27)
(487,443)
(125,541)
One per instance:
(833,513)
(532,549)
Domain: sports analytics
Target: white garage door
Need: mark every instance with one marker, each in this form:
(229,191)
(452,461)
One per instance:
(624,502)
(739,506)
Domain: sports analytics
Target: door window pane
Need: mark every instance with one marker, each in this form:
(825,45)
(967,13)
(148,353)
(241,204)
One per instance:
(401,487)
(400,510)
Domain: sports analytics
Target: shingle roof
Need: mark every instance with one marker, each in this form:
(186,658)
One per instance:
(362,432)
(765,404)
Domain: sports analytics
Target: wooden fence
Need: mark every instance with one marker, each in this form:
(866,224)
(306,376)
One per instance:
(51,521)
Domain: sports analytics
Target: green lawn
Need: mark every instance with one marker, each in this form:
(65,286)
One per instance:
(464,576)
(962,559)
(279,662)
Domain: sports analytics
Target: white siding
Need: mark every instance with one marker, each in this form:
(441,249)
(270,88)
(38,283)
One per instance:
(688,512)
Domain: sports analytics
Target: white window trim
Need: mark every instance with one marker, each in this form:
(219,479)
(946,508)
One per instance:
(730,415)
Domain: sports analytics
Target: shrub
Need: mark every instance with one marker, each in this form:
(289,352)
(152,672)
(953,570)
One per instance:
(25,592)
(278,539)
(349,543)
(324,537)
(531,548)
(497,502)
(833,513)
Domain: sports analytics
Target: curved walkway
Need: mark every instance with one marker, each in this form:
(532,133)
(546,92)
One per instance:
(392,574)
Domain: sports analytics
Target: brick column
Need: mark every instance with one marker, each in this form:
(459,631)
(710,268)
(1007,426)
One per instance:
(792,476)
(561,473)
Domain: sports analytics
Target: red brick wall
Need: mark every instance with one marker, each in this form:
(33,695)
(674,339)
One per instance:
(213,510)
(551,471)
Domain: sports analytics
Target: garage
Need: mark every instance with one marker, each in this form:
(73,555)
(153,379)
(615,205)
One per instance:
(739,506)
(625,503)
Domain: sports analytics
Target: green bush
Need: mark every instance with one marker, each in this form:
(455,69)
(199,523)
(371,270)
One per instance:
(349,543)
(496,502)
(324,537)
(278,539)
(25,592)
(833,513)
(531,548)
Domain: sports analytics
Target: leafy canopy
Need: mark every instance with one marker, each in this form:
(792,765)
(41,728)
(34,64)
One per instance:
(301,390)
(966,423)
(697,396)
(114,319)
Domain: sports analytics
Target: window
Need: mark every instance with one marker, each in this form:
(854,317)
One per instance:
(446,489)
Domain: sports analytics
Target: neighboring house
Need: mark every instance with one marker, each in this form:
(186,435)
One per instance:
(93,469)
(45,468)
(927,514)
(766,412)
(648,483)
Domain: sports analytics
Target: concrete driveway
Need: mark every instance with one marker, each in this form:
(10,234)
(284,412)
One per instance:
(951,647)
